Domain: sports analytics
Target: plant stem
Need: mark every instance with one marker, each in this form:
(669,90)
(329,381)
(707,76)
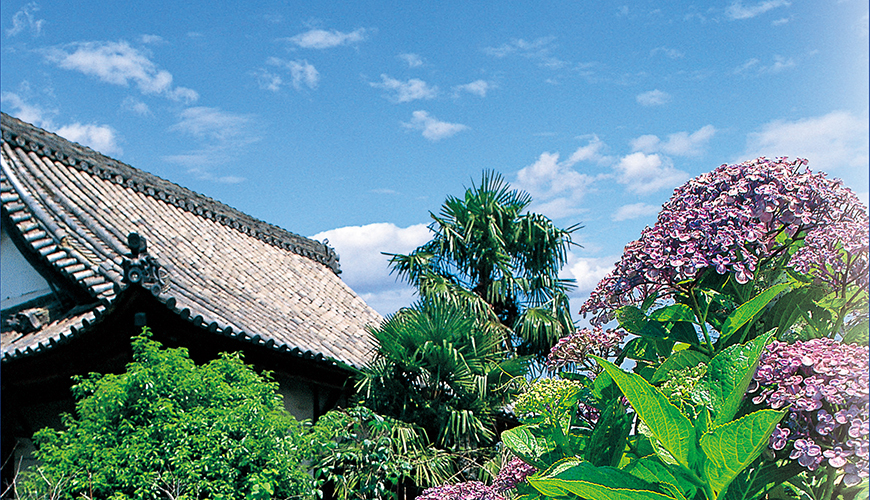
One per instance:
(829,484)
(702,320)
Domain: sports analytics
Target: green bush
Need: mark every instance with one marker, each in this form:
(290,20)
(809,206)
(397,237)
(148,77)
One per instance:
(167,428)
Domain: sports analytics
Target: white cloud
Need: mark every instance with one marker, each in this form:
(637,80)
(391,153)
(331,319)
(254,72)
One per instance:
(24,19)
(653,98)
(25,111)
(837,141)
(668,52)
(433,129)
(135,106)
(413,60)
(477,87)
(408,91)
(223,137)
(213,123)
(539,50)
(118,63)
(366,270)
(678,144)
(152,39)
(302,73)
(102,138)
(587,272)
(644,174)
(555,186)
(634,211)
(322,39)
(737,10)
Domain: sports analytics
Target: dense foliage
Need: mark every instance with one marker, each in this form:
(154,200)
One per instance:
(167,428)
(745,313)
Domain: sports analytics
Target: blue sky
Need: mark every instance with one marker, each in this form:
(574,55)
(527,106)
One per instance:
(351,121)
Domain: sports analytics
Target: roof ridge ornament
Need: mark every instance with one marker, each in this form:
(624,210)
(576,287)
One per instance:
(142,269)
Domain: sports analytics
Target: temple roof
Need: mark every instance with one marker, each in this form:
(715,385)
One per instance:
(71,208)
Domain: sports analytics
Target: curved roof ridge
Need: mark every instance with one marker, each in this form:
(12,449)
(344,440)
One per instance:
(41,142)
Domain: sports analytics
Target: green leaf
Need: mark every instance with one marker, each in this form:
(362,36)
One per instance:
(631,319)
(526,445)
(581,478)
(729,374)
(673,313)
(748,312)
(858,334)
(678,361)
(607,443)
(755,479)
(733,446)
(665,421)
(789,306)
(674,480)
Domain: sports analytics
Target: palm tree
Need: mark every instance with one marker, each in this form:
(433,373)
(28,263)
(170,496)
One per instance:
(488,252)
(436,365)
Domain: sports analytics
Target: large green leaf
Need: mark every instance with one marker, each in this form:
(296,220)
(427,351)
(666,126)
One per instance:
(678,361)
(673,313)
(607,443)
(756,478)
(729,374)
(748,312)
(673,429)
(525,444)
(587,481)
(733,446)
(674,480)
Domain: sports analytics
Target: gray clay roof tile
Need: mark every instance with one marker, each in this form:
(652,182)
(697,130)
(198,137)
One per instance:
(227,270)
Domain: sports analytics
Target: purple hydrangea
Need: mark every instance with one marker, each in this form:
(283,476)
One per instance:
(824,383)
(729,219)
(512,473)
(469,490)
(573,350)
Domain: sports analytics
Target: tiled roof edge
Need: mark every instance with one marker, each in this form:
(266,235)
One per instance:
(31,138)
(100,311)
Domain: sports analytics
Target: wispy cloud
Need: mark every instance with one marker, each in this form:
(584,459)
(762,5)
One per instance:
(837,141)
(302,74)
(678,144)
(556,186)
(118,63)
(102,138)
(136,106)
(432,128)
(667,52)
(634,211)
(737,10)
(223,137)
(406,91)
(26,111)
(412,60)
(539,50)
(477,87)
(754,66)
(645,174)
(25,20)
(322,39)
(653,98)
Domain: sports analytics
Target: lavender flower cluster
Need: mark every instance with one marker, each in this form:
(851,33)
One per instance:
(512,473)
(573,350)
(825,383)
(729,220)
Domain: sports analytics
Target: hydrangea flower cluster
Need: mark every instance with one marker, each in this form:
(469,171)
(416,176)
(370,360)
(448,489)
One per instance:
(545,397)
(825,384)
(729,220)
(683,389)
(572,351)
(512,473)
